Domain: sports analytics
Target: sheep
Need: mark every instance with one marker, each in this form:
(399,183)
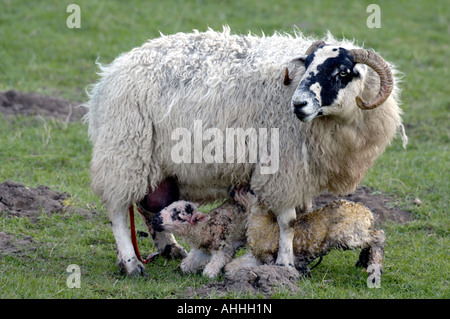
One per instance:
(341,224)
(213,237)
(315,96)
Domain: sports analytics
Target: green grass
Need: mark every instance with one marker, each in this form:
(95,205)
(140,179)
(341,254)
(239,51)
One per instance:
(39,53)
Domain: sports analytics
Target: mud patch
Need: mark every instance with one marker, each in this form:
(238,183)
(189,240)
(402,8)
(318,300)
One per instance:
(10,244)
(18,200)
(265,279)
(14,103)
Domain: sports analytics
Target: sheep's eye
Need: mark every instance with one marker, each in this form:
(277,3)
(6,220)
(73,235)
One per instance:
(343,73)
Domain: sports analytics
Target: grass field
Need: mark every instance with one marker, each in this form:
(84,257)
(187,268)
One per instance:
(39,53)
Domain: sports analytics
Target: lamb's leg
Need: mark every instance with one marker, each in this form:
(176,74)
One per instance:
(218,260)
(194,261)
(363,260)
(164,241)
(377,249)
(285,245)
(127,260)
(166,244)
(375,263)
(374,253)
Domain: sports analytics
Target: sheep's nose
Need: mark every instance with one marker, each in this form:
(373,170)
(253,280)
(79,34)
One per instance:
(299,104)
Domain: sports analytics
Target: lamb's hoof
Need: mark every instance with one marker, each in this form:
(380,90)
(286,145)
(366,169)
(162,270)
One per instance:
(132,267)
(173,251)
(210,273)
(186,268)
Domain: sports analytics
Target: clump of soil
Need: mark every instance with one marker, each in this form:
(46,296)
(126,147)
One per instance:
(14,102)
(18,200)
(265,279)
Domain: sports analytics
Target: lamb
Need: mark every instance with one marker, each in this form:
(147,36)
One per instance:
(333,105)
(341,224)
(213,237)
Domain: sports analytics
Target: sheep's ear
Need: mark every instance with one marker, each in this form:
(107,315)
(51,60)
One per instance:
(299,59)
(359,69)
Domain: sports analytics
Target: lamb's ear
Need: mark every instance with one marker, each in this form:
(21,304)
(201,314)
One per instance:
(299,59)
(198,217)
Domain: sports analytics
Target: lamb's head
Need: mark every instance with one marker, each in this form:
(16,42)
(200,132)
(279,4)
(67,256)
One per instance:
(333,81)
(179,218)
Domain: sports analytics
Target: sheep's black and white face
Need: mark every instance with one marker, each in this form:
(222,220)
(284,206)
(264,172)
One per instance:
(330,80)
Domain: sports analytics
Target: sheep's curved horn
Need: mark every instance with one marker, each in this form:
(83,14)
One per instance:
(380,66)
(314,46)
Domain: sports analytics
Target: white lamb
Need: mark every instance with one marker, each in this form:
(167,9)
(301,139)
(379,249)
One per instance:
(213,237)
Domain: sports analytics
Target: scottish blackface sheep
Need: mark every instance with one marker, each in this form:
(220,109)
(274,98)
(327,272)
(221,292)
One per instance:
(331,110)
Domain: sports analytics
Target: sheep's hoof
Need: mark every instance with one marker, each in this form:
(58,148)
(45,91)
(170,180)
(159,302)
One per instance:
(132,267)
(286,265)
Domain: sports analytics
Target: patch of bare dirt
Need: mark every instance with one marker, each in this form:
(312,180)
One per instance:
(18,200)
(14,102)
(10,244)
(265,279)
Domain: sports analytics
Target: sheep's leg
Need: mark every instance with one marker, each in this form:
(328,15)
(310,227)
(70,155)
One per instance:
(285,245)
(194,261)
(219,259)
(127,260)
